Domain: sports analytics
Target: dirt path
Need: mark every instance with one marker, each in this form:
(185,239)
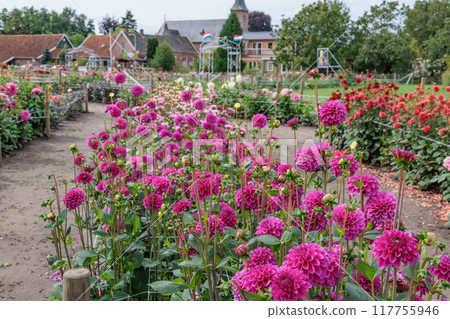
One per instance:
(23,186)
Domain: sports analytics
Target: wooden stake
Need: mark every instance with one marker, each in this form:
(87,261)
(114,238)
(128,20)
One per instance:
(395,77)
(76,286)
(302,87)
(47,113)
(86,102)
(278,87)
(423,81)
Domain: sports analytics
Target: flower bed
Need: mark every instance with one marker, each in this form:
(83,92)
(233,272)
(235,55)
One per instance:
(175,203)
(381,119)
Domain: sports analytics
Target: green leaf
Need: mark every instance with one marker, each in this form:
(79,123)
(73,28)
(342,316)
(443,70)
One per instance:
(136,223)
(223,263)
(373,234)
(167,252)
(269,240)
(358,184)
(167,287)
(366,270)
(356,293)
(101,234)
(194,262)
(286,237)
(251,296)
(137,258)
(196,279)
(148,263)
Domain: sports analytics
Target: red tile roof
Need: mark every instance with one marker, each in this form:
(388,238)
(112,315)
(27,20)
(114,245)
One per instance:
(28,45)
(97,43)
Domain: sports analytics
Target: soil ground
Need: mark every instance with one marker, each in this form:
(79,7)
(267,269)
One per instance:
(23,186)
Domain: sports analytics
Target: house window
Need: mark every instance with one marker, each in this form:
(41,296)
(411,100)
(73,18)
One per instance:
(269,66)
(257,48)
(123,47)
(270,45)
(191,61)
(184,60)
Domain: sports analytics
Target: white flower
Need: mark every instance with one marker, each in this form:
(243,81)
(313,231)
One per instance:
(198,85)
(211,85)
(238,78)
(231,85)
(180,81)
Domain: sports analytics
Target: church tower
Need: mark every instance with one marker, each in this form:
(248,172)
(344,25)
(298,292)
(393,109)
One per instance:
(241,11)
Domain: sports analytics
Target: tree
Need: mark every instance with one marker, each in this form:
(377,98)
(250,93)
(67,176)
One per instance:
(128,21)
(46,56)
(230,28)
(76,39)
(152,44)
(108,24)
(259,21)
(379,43)
(164,58)
(62,55)
(424,20)
(324,23)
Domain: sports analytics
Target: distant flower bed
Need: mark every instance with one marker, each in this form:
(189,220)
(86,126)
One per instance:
(380,118)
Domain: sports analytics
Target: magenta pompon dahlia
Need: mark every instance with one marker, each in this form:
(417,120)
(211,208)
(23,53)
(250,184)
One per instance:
(260,256)
(380,208)
(120,78)
(74,198)
(370,188)
(251,198)
(403,157)
(395,248)
(310,258)
(153,202)
(270,226)
(258,278)
(332,113)
(352,165)
(308,159)
(259,120)
(355,223)
(442,269)
(289,285)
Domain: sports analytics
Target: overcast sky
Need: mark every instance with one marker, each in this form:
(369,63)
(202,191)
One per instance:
(150,13)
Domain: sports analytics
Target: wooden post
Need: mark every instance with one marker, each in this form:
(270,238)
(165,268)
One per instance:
(302,87)
(1,158)
(384,78)
(423,81)
(395,78)
(86,102)
(278,87)
(47,113)
(76,286)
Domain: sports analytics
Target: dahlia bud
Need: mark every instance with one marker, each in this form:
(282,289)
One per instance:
(163,207)
(342,161)
(226,177)
(185,161)
(242,133)
(430,239)
(117,197)
(277,124)
(177,165)
(239,234)
(50,216)
(281,179)
(313,72)
(284,190)
(241,249)
(266,169)
(73,148)
(328,198)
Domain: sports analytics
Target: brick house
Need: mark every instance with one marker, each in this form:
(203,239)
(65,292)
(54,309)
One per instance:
(28,48)
(182,48)
(98,46)
(258,46)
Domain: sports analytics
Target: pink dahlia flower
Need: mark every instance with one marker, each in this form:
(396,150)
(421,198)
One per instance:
(293,123)
(258,278)
(211,118)
(334,272)
(198,104)
(442,269)
(115,111)
(311,259)
(192,120)
(447,163)
(270,226)
(352,165)
(259,120)
(354,222)
(332,113)
(11,89)
(181,206)
(142,130)
(236,282)
(162,184)
(186,96)
(25,116)
(260,256)
(84,177)
(289,285)
(120,123)
(403,157)
(365,283)
(318,220)
(137,90)
(394,248)
(207,186)
(370,187)
(120,78)
(308,159)
(214,224)
(227,215)
(380,208)
(153,202)
(251,199)
(74,198)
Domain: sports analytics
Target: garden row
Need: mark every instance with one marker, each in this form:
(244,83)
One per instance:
(174,202)
(380,119)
